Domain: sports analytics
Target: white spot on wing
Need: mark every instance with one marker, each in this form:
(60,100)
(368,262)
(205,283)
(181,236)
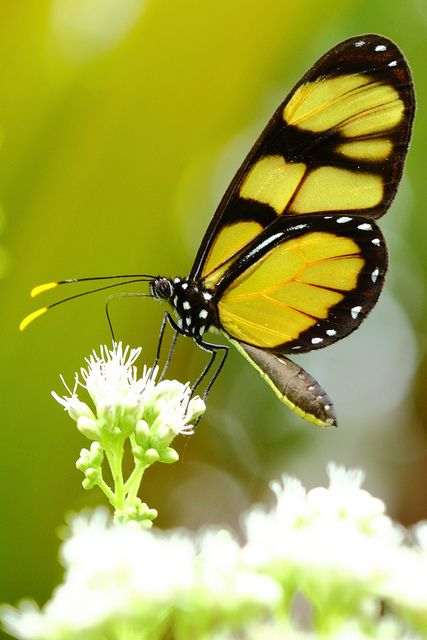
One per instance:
(184,286)
(365,226)
(359,43)
(393,63)
(316,340)
(331,332)
(175,301)
(176,280)
(376,241)
(327,218)
(374,275)
(206,295)
(203,314)
(380,47)
(355,312)
(343,219)
(186,305)
(188,321)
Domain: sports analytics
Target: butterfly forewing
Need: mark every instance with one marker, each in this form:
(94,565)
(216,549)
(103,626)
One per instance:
(335,146)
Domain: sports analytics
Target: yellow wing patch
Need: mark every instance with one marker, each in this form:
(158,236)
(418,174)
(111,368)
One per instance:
(289,289)
(371,150)
(228,242)
(272,181)
(355,104)
(333,189)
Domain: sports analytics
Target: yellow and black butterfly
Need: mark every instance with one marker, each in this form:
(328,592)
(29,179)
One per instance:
(292,259)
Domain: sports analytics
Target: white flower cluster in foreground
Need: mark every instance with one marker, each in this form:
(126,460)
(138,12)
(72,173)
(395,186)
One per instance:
(322,563)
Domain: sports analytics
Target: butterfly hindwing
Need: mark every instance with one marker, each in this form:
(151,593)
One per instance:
(335,146)
(304,285)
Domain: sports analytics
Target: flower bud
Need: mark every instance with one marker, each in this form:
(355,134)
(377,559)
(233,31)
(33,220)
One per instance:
(142,433)
(88,427)
(151,456)
(169,455)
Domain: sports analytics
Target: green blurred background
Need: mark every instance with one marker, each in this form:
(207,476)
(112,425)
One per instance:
(122,123)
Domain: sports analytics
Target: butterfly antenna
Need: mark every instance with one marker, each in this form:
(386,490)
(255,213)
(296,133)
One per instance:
(50,285)
(41,288)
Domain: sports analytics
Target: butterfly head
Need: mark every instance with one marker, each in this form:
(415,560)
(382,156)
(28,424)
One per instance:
(193,305)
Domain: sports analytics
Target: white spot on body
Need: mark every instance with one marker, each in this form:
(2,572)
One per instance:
(393,63)
(343,219)
(374,275)
(184,286)
(331,332)
(355,312)
(316,340)
(380,47)
(359,43)
(206,295)
(376,241)
(299,226)
(203,314)
(365,226)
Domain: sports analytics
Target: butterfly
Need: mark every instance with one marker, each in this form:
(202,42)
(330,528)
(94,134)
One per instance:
(293,260)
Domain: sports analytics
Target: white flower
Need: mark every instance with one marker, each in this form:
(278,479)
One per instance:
(407,587)
(121,398)
(113,573)
(224,582)
(315,542)
(170,405)
(344,565)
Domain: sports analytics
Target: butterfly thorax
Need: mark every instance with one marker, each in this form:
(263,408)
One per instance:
(193,305)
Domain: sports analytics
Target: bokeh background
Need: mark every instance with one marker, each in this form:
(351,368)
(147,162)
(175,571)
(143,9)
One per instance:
(122,122)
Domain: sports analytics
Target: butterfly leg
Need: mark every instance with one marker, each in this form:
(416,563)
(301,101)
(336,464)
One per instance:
(213,349)
(167,319)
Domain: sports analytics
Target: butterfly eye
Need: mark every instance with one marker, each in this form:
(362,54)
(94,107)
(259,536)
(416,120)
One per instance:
(162,288)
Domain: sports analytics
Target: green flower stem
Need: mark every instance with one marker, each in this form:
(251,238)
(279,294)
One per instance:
(115,459)
(132,484)
(107,491)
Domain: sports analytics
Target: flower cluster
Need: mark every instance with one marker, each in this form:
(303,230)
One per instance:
(322,563)
(127,408)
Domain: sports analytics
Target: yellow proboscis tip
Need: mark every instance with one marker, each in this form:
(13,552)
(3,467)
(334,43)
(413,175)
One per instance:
(43,287)
(32,316)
